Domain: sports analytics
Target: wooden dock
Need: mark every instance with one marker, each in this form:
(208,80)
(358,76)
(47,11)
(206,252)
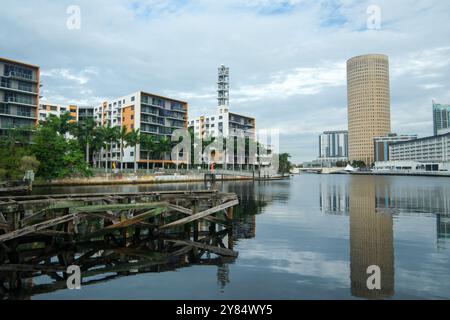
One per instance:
(110,233)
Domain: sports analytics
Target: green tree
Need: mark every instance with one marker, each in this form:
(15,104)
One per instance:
(133,138)
(148,143)
(85,132)
(164,146)
(62,124)
(122,136)
(29,163)
(285,165)
(358,164)
(58,157)
(109,135)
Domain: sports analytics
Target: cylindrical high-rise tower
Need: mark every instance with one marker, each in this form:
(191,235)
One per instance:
(369,104)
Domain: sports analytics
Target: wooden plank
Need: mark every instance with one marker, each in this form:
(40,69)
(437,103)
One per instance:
(137,219)
(31,268)
(200,215)
(37,227)
(5,226)
(2,218)
(189,212)
(104,195)
(26,220)
(181,251)
(118,207)
(217,250)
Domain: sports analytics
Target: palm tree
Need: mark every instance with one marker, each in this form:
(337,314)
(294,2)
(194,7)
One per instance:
(97,143)
(164,146)
(62,124)
(148,143)
(109,136)
(122,136)
(133,139)
(84,131)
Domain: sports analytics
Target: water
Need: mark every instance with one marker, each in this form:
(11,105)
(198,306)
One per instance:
(312,237)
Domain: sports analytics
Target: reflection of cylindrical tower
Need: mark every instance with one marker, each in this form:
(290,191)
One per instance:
(371,241)
(369,107)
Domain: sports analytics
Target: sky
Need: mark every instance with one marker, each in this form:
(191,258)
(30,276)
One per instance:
(287,58)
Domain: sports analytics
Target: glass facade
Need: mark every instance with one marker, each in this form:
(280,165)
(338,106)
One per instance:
(441,117)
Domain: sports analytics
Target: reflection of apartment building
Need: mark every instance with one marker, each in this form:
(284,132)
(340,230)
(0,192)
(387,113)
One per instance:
(334,199)
(19,95)
(151,114)
(371,241)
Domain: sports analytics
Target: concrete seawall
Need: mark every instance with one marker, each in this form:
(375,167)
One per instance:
(130,179)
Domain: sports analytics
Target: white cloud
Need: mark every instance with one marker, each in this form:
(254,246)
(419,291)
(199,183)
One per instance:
(80,78)
(286,56)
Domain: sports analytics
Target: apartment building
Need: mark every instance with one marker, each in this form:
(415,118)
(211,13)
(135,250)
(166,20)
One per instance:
(152,114)
(381,145)
(47,109)
(224,123)
(77,113)
(441,118)
(430,149)
(333,147)
(19,95)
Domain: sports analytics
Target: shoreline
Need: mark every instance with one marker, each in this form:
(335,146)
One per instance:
(112,182)
(398,174)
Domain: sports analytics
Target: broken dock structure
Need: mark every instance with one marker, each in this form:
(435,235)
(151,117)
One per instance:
(111,233)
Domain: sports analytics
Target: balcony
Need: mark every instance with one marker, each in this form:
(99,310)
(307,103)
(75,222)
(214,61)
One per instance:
(16,100)
(19,76)
(9,87)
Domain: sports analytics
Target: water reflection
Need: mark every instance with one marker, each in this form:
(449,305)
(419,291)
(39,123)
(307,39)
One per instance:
(289,250)
(371,242)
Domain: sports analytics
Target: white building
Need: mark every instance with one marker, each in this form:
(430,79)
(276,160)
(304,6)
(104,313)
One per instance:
(78,113)
(333,147)
(408,166)
(430,149)
(152,114)
(224,123)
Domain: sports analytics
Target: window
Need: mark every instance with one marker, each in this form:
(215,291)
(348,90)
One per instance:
(131,154)
(132,117)
(132,99)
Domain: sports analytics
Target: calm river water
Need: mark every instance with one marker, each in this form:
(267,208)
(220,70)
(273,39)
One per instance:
(312,237)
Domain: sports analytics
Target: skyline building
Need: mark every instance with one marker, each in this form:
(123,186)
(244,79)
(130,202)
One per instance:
(223,122)
(369,110)
(333,147)
(441,118)
(19,95)
(152,114)
(381,145)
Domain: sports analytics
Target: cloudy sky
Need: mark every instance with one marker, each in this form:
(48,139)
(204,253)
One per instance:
(287,57)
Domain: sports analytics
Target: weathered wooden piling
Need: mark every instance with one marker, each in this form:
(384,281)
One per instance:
(140,231)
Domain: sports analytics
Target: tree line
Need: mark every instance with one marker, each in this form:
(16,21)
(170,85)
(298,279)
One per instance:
(60,148)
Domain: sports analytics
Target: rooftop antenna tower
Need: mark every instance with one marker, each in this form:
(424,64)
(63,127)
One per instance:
(223,87)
